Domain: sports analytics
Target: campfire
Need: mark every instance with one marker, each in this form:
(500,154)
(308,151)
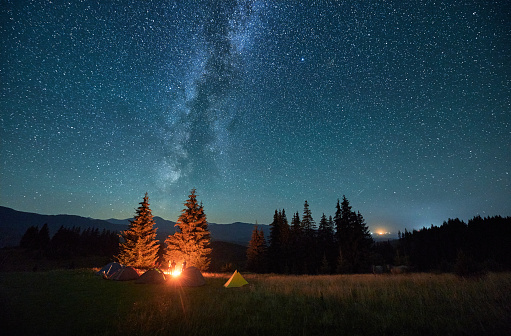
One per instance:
(174,273)
(174,270)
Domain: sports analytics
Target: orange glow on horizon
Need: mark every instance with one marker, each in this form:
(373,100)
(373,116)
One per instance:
(381,232)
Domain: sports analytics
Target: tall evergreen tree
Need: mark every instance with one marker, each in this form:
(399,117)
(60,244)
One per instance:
(29,240)
(308,224)
(353,238)
(278,248)
(361,244)
(296,252)
(191,242)
(43,238)
(35,239)
(140,247)
(311,259)
(256,251)
(65,243)
(342,220)
(285,240)
(326,245)
(296,226)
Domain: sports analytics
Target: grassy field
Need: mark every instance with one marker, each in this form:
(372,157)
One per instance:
(77,302)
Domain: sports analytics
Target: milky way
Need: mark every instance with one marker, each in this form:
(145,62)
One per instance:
(404,107)
(198,138)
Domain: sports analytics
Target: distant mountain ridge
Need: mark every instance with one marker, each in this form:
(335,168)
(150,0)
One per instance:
(13,224)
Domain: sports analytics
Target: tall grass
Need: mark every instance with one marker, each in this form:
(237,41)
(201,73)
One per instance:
(77,302)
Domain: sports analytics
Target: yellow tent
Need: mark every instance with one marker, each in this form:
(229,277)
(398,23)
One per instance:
(236,280)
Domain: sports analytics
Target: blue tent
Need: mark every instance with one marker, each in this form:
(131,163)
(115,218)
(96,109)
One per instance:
(108,270)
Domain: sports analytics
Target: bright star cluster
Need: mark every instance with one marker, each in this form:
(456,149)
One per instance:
(402,106)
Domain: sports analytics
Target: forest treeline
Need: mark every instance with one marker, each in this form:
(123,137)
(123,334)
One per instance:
(482,244)
(343,245)
(70,242)
(339,244)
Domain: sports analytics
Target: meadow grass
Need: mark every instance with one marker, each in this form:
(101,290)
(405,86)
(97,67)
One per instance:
(81,303)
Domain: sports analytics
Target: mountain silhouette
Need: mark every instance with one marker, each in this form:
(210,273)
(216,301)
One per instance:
(13,224)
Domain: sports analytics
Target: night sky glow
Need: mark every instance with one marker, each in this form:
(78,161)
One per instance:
(402,106)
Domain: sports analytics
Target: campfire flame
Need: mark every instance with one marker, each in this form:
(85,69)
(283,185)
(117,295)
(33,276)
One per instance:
(174,273)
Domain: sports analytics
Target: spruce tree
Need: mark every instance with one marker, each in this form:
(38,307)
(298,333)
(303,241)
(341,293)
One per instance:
(326,246)
(353,239)
(361,245)
(43,239)
(256,251)
(140,247)
(308,224)
(278,249)
(296,228)
(35,239)
(296,252)
(343,226)
(65,243)
(29,240)
(311,259)
(191,242)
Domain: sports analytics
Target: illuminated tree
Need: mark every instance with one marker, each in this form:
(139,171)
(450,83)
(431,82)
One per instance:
(191,241)
(140,247)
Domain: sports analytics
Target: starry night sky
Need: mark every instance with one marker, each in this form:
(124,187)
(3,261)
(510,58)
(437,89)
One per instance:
(402,106)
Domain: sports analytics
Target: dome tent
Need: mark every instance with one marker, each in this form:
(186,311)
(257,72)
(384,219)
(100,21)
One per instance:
(154,276)
(191,277)
(108,270)
(125,274)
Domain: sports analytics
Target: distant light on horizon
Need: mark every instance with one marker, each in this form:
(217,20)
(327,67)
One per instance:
(381,233)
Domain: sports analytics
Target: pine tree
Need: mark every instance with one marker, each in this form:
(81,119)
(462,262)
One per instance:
(30,238)
(140,247)
(311,259)
(296,226)
(65,243)
(296,251)
(279,237)
(361,245)
(343,225)
(43,239)
(353,238)
(326,246)
(191,242)
(308,224)
(256,251)
(35,239)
